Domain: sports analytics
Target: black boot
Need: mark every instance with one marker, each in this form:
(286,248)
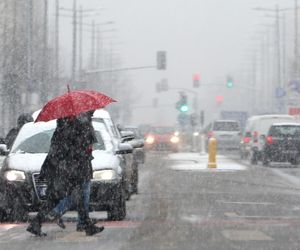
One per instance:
(81,227)
(93,229)
(35,228)
(53,216)
(60,223)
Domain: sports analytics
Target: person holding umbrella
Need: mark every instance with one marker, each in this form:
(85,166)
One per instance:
(68,164)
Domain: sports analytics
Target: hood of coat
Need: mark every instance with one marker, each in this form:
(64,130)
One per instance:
(32,162)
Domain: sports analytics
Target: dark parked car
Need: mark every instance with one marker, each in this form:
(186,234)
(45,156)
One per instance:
(137,143)
(138,152)
(22,191)
(282,144)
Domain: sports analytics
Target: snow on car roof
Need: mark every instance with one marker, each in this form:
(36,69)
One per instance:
(286,124)
(101,113)
(275,116)
(235,121)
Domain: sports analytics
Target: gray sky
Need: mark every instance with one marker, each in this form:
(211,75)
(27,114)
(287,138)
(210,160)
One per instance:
(210,37)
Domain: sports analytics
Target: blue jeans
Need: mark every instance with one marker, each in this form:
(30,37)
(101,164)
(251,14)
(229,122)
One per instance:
(65,204)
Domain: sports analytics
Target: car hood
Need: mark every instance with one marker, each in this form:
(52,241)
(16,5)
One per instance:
(33,162)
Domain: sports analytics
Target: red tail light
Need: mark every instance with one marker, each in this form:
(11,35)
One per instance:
(269,139)
(247,139)
(210,134)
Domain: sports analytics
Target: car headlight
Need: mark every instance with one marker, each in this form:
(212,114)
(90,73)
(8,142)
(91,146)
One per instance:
(104,175)
(174,139)
(14,175)
(150,139)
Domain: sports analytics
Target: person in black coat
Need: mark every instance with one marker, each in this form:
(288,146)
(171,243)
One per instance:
(66,168)
(82,158)
(53,171)
(12,134)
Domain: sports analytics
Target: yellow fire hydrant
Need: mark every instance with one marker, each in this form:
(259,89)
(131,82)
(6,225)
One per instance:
(212,152)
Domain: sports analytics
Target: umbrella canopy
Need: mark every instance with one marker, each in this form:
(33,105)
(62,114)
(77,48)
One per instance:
(72,104)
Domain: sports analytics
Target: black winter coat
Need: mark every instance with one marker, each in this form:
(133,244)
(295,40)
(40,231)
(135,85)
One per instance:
(82,149)
(68,162)
(56,166)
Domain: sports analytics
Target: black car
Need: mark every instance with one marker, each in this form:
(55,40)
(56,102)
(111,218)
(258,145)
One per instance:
(282,144)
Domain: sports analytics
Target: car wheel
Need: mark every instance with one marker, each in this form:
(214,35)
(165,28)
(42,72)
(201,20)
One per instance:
(295,161)
(265,162)
(175,150)
(253,158)
(242,155)
(3,215)
(135,180)
(118,210)
(17,212)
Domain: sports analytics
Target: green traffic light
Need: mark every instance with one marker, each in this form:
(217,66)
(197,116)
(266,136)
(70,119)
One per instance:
(229,84)
(184,108)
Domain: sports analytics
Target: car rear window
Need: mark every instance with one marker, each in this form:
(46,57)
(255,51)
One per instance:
(162,130)
(286,130)
(226,126)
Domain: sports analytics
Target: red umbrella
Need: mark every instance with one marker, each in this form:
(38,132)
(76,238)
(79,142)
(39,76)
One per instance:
(72,104)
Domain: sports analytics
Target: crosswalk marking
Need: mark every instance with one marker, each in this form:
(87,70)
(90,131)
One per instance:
(246,235)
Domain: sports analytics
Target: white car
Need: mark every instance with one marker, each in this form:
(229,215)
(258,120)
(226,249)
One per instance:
(24,191)
(226,132)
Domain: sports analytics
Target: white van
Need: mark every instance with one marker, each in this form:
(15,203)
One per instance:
(255,132)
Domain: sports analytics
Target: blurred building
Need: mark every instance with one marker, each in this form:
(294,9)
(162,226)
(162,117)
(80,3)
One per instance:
(22,67)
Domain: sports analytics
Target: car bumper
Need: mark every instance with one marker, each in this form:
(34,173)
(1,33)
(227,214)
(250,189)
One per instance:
(162,146)
(282,155)
(103,194)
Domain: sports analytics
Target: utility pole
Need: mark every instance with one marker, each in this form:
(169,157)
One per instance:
(29,50)
(45,87)
(279,82)
(74,47)
(80,41)
(253,106)
(296,51)
(56,66)
(99,49)
(93,48)
(4,56)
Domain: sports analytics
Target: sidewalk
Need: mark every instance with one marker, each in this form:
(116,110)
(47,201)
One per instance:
(199,162)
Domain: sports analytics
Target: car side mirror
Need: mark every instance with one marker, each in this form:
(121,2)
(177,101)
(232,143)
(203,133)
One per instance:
(137,143)
(127,136)
(3,149)
(124,148)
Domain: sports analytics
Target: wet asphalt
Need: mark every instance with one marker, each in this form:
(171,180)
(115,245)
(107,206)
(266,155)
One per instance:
(255,208)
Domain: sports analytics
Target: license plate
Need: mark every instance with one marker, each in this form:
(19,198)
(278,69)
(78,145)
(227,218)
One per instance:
(289,151)
(42,191)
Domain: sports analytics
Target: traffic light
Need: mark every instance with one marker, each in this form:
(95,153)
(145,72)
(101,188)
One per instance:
(161,60)
(229,82)
(202,118)
(162,86)
(182,104)
(196,80)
